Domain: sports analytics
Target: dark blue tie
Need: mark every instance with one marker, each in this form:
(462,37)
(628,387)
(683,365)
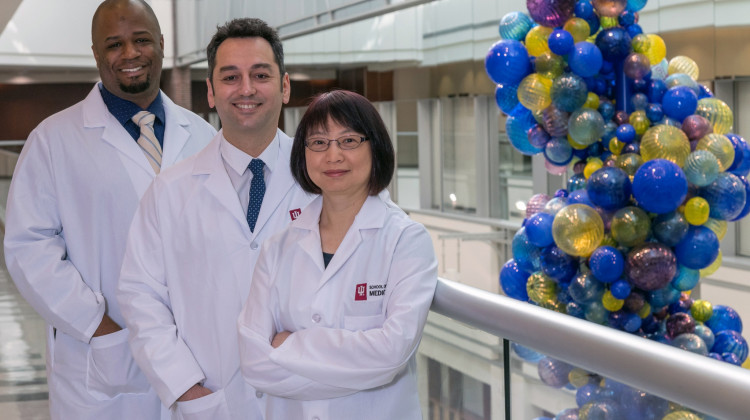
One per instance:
(257,191)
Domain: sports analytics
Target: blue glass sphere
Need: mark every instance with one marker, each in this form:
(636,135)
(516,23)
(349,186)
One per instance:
(580,197)
(607,109)
(517,127)
(515,25)
(575,183)
(705,333)
(539,229)
(656,90)
(739,144)
(725,195)
(654,112)
(525,253)
(636,5)
(558,265)
(685,279)
(625,133)
(585,288)
(670,228)
(620,289)
(607,264)
(558,151)
(507,61)
(553,372)
(679,102)
(729,341)
(584,9)
(609,188)
(662,297)
(585,60)
(659,186)
(513,281)
(506,97)
(698,249)
(724,318)
(614,43)
(561,42)
(569,92)
(746,209)
(526,353)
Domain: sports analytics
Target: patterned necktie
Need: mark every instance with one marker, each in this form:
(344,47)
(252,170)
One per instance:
(147,140)
(257,191)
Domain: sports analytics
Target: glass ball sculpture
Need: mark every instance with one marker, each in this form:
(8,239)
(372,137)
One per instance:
(717,113)
(665,142)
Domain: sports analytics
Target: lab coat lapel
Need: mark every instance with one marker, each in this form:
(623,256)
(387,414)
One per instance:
(310,232)
(176,133)
(278,187)
(95,114)
(218,185)
(370,216)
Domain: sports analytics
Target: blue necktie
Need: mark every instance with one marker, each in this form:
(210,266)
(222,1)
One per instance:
(257,191)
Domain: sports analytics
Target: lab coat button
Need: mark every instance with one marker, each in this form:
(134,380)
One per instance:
(258,394)
(254,246)
(316,319)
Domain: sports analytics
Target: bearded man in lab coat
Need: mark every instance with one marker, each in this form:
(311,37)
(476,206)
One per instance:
(75,189)
(197,234)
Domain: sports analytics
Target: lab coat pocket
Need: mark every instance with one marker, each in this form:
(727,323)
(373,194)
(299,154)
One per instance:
(111,368)
(363,323)
(211,407)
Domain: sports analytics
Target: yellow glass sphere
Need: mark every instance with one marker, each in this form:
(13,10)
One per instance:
(534,92)
(577,230)
(705,272)
(640,122)
(701,310)
(592,101)
(608,240)
(641,43)
(615,146)
(578,377)
(683,64)
(720,146)
(696,211)
(579,28)
(682,415)
(719,227)
(592,165)
(645,310)
(574,144)
(657,50)
(536,40)
(665,142)
(549,65)
(608,22)
(717,112)
(611,303)
(629,162)
(541,287)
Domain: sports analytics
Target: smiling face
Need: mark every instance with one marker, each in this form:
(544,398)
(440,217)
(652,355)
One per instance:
(248,91)
(129,49)
(340,172)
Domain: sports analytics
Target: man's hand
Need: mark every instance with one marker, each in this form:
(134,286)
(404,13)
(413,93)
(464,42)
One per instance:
(107,326)
(196,391)
(279,338)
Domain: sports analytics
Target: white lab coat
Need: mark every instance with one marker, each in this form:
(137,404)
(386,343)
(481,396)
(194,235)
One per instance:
(186,274)
(356,324)
(74,191)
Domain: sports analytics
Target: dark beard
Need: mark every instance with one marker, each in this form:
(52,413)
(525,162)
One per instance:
(136,88)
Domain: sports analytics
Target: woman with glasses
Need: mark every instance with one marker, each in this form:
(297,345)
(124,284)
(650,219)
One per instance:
(339,299)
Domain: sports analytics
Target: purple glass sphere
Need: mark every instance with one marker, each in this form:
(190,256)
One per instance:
(679,323)
(550,13)
(651,266)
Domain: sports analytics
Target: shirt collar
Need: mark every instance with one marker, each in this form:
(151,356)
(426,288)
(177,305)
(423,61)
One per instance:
(239,160)
(123,110)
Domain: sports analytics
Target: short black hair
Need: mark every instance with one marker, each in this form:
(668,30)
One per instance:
(245,28)
(355,112)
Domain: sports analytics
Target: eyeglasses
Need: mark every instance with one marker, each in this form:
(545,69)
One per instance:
(321,144)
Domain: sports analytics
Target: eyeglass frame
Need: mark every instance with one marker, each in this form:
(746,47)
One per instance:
(362,139)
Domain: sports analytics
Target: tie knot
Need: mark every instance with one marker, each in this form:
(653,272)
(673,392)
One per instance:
(144,118)
(256,167)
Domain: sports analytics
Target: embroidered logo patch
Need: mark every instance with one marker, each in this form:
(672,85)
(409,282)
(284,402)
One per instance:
(294,214)
(360,292)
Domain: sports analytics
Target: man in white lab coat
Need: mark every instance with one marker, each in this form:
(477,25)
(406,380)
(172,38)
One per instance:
(197,234)
(74,192)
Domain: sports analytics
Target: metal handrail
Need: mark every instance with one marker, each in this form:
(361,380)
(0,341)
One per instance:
(702,383)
